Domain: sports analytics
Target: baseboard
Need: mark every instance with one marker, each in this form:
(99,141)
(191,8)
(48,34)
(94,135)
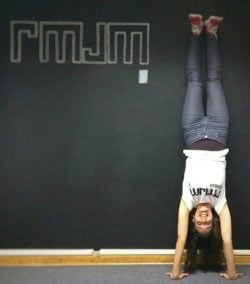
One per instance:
(102,257)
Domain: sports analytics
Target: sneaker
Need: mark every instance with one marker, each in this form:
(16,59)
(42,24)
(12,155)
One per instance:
(196,23)
(212,25)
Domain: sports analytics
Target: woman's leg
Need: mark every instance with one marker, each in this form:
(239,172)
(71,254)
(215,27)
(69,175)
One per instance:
(193,110)
(217,109)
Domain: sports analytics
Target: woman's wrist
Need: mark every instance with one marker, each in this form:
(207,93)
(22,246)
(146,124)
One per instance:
(232,275)
(176,272)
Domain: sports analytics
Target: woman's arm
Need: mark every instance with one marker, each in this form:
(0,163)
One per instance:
(182,230)
(226,234)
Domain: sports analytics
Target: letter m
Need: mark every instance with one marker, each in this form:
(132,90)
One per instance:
(127,39)
(61,40)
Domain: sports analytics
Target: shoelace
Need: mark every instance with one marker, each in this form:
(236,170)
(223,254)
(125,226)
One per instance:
(212,29)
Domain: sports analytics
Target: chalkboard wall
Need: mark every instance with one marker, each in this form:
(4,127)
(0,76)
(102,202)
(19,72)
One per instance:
(91,95)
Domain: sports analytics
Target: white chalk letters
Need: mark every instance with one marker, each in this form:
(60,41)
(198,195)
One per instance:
(62,42)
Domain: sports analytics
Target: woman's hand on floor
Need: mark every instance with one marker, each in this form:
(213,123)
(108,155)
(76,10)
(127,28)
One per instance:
(177,276)
(231,277)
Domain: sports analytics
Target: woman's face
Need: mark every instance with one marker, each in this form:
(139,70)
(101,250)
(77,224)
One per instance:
(203,218)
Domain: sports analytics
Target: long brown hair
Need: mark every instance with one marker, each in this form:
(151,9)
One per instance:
(204,251)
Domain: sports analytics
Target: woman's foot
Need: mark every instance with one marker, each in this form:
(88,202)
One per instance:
(196,23)
(212,25)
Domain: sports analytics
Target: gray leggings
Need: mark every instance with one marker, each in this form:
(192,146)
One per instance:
(199,123)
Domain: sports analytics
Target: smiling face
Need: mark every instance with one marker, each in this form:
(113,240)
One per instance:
(203,218)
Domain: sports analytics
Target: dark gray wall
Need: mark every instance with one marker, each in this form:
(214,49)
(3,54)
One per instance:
(89,158)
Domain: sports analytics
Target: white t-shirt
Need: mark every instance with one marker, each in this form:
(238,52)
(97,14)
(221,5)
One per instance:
(204,178)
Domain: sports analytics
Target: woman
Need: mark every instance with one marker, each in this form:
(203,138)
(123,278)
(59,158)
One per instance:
(204,221)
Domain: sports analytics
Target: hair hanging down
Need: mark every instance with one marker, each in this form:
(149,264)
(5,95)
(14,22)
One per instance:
(204,252)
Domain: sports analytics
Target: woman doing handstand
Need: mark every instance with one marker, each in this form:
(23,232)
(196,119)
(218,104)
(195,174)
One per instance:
(204,221)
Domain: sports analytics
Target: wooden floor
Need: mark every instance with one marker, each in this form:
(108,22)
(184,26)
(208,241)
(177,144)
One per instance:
(78,260)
